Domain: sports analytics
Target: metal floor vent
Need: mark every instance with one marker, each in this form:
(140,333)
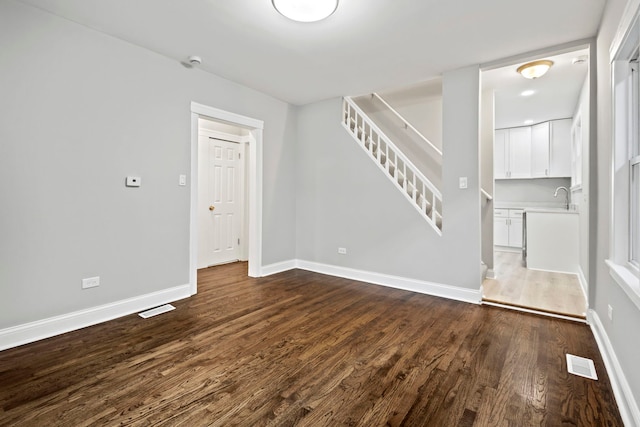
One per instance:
(581,366)
(155,311)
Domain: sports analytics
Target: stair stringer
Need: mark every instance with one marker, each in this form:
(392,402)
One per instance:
(423,195)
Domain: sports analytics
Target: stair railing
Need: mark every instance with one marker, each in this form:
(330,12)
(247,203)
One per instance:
(419,190)
(407,125)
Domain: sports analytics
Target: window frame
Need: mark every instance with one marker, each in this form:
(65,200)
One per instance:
(625,192)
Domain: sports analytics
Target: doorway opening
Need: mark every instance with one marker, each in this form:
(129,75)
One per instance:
(222,203)
(226,190)
(538,125)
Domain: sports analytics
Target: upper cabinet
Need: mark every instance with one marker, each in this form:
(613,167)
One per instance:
(512,152)
(560,156)
(539,151)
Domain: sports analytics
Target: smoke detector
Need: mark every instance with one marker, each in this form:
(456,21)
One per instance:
(195,60)
(580,59)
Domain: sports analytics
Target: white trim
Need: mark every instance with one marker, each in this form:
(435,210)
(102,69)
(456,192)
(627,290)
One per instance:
(41,329)
(491,274)
(533,311)
(626,280)
(553,271)
(397,282)
(279,267)
(226,116)
(254,240)
(584,285)
(625,28)
(622,391)
(537,54)
(413,285)
(240,139)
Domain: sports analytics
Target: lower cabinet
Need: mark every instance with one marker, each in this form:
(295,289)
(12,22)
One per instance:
(507,227)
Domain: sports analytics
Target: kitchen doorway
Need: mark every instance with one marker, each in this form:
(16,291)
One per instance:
(537,166)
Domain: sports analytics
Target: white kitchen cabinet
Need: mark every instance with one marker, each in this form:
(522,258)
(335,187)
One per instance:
(560,148)
(520,152)
(512,153)
(540,150)
(507,227)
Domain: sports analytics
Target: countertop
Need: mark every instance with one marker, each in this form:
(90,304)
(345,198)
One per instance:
(529,205)
(551,210)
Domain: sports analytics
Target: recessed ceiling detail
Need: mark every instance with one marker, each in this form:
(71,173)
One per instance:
(306,10)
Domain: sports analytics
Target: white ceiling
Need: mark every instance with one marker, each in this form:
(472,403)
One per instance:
(365,46)
(556,94)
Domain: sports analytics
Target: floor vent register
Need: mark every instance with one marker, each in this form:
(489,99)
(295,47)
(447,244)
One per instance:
(155,311)
(581,366)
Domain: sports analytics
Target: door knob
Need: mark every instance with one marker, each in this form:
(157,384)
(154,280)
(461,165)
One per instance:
(211,208)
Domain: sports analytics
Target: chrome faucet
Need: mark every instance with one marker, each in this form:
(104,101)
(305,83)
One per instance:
(566,196)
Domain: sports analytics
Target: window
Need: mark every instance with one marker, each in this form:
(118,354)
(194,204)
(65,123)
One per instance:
(624,259)
(633,158)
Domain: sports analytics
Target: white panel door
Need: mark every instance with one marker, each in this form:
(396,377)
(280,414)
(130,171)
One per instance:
(220,201)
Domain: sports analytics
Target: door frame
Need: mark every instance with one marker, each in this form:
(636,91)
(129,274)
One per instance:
(254,187)
(242,143)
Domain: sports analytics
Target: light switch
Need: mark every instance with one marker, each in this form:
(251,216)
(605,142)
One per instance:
(133,181)
(182,180)
(463,182)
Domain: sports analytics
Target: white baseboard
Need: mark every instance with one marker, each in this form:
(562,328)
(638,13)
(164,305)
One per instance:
(278,267)
(624,397)
(491,274)
(583,284)
(413,285)
(29,332)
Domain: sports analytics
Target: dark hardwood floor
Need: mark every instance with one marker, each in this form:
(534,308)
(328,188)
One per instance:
(299,348)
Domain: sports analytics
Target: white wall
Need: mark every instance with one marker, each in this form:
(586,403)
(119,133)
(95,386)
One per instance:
(79,111)
(622,330)
(486,174)
(344,200)
(421,106)
(580,195)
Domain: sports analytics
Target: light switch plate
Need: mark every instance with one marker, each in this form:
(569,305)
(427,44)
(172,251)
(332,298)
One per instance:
(463,182)
(182,180)
(133,181)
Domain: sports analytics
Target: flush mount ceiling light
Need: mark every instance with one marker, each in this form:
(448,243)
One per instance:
(535,69)
(527,92)
(306,10)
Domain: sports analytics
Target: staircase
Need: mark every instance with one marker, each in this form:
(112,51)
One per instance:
(416,187)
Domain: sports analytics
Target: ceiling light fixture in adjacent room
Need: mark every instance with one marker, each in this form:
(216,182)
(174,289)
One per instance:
(305,10)
(535,69)
(527,92)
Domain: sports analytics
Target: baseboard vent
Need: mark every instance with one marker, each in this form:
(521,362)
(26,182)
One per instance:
(581,366)
(155,311)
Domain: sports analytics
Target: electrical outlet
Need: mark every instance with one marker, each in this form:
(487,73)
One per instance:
(342,251)
(90,282)
(610,312)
